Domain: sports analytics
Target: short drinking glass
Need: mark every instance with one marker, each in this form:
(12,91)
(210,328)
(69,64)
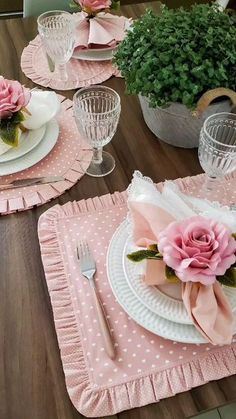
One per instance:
(57,31)
(97,111)
(217,148)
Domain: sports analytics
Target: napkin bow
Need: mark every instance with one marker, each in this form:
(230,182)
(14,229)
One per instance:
(151,211)
(103,29)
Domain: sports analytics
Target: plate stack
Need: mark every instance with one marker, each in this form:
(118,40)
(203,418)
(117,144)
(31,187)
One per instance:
(159,309)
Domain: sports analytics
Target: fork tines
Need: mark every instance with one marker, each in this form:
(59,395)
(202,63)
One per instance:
(86,259)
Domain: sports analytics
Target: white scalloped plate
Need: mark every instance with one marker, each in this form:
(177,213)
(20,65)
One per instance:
(139,312)
(89,54)
(34,156)
(27,142)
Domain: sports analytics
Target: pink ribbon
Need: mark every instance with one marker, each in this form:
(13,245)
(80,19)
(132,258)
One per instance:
(206,304)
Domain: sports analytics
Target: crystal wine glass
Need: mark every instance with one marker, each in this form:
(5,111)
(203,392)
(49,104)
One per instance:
(97,111)
(217,148)
(57,31)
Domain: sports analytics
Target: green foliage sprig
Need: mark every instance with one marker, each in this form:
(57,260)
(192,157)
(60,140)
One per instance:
(180,54)
(10,129)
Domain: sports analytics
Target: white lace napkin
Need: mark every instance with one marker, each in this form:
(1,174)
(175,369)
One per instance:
(176,203)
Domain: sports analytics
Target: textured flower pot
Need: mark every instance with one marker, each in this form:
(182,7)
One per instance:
(176,125)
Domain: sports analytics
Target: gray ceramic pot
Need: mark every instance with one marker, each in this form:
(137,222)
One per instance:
(175,125)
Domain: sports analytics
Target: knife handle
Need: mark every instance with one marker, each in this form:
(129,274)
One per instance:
(12,186)
(109,347)
(5,187)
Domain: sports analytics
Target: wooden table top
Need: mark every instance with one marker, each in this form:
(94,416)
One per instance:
(31,377)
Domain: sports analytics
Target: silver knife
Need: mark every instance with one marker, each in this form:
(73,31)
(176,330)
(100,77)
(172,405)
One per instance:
(31,181)
(51,64)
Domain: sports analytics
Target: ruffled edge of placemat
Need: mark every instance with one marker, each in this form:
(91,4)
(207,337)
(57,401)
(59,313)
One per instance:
(28,69)
(142,390)
(50,191)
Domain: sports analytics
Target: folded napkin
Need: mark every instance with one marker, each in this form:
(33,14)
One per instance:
(42,107)
(152,211)
(104,30)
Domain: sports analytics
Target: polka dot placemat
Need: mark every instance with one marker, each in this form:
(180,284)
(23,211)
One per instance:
(69,158)
(147,367)
(80,73)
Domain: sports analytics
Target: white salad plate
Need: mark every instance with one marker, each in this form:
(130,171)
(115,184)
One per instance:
(27,142)
(164,300)
(134,307)
(32,157)
(96,54)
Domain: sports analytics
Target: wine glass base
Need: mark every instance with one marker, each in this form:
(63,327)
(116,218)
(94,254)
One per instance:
(102,169)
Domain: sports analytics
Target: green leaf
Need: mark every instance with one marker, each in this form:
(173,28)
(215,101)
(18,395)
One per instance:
(234,235)
(140,255)
(229,278)
(10,135)
(171,275)
(115,5)
(9,129)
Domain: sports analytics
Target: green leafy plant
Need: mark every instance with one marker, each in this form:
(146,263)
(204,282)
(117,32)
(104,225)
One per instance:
(180,54)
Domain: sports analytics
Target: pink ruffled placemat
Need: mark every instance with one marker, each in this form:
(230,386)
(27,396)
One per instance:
(147,367)
(69,158)
(80,73)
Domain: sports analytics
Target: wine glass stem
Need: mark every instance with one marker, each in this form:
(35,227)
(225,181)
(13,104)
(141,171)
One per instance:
(62,72)
(97,155)
(210,183)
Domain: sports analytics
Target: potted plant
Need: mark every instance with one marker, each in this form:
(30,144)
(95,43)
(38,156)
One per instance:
(170,60)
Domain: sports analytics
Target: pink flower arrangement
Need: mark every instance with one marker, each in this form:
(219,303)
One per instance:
(197,249)
(13,97)
(93,5)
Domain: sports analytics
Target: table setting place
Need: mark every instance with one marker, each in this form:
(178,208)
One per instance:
(143,282)
(75,50)
(42,153)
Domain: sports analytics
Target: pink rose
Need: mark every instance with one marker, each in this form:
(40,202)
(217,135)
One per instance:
(13,97)
(198,249)
(94,5)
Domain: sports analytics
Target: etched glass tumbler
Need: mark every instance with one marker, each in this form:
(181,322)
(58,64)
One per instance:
(97,111)
(57,31)
(217,148)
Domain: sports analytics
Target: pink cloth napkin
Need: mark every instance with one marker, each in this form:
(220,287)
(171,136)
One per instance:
(104,30)
(206,305)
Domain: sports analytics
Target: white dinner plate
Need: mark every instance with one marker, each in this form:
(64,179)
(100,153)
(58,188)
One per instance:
(27,142)
(125,296)
(34,156)
(99,54)
(164,300)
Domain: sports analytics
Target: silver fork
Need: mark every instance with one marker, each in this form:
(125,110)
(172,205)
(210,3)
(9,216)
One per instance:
(88,269)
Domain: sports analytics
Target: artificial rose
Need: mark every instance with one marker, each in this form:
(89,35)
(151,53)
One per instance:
(198,249)
(13,97)
(93,5)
